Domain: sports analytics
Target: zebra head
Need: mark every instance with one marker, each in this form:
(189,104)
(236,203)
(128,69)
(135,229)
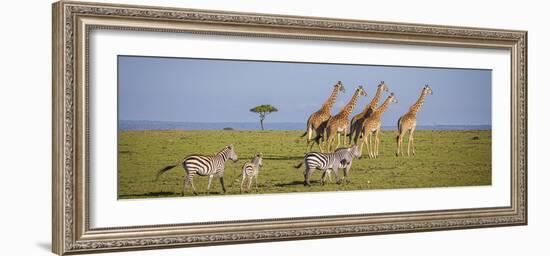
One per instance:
(354,151)
(258,159)
(231,153)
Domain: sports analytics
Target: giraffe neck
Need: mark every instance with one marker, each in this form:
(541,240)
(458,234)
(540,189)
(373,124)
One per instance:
(330,101)
(375,100)
(351,104)
(379,111)
(418,104)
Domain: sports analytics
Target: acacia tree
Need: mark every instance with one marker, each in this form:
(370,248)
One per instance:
(263,110)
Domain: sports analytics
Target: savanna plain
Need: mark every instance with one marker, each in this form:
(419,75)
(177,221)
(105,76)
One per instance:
(443,159)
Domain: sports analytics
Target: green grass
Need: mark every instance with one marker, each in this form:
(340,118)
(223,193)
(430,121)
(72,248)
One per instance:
(443,159)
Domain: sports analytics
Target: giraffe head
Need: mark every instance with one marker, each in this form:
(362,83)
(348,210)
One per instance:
(392,98)
(360,91)
(382,86)
(340,86)
(427,90)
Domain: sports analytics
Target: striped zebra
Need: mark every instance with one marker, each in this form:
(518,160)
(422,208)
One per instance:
(250,170)
(341,158)
(203,166)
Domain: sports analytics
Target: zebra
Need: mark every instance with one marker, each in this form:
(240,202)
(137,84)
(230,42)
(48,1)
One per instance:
(203,166)
(341,158)
(250,170)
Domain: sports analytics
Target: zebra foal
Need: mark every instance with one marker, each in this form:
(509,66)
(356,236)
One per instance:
(341,158)
(250,171)
(203,166)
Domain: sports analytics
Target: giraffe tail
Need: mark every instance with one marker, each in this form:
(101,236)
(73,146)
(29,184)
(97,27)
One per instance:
(307,128)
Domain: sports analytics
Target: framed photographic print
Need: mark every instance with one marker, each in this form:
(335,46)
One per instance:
(179,127)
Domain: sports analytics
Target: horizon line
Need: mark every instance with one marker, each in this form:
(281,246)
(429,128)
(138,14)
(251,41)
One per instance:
(248,122)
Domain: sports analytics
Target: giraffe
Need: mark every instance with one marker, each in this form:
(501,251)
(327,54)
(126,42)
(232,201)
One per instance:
(339,124)
(371,125)
(318,120)
(357,120)
(407,122)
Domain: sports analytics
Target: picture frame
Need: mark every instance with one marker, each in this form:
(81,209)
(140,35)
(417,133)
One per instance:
(71,212)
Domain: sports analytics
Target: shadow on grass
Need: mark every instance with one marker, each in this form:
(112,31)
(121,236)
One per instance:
(294,183)
(283,157)
(150,194)
(168,194)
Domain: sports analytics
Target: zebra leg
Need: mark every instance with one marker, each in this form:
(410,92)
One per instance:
(256,181)
(242,182)
(323,178)
(221,182)
(209,184)
(185,183)
(249,184)
(307,177)
(336,170)
(192,184)
(346,173)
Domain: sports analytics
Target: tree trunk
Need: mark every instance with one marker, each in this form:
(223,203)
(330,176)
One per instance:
(262,123)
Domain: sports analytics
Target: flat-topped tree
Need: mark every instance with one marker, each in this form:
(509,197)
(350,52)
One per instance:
(263,110)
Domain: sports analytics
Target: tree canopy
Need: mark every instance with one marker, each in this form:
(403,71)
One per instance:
(263,110)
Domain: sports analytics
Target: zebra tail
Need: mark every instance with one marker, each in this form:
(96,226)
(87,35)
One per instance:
(165,169)
(298,165)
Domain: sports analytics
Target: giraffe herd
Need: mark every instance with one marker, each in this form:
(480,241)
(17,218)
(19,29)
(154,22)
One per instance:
(364,128)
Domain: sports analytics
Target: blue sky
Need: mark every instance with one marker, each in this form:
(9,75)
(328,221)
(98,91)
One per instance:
(203,90)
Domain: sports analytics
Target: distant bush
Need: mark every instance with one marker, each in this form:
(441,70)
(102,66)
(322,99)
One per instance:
(228,129)
(475,138)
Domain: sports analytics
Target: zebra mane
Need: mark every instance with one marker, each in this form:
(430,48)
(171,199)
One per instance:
(224,153)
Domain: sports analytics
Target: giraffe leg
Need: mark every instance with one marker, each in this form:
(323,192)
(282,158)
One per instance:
(361,148)
(345,137)
(376,144)
(371,146)
(400,143)
(411,139)
(368,144)
(337,144)
(409,143)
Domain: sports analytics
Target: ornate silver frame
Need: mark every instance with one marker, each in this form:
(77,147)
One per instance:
(72,21)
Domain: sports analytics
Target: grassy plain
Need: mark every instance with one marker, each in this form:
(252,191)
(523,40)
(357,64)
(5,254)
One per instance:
(443,159)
